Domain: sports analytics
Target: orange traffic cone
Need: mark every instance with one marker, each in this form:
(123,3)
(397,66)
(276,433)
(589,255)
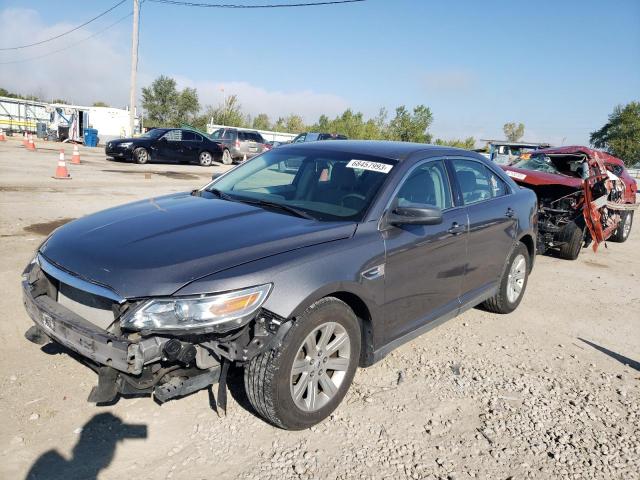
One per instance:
(61,172)
(30,145)
(75,159)
(25,140)
(2,137)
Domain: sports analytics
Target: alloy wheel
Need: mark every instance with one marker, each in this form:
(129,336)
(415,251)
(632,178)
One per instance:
(517,275)
(320,366)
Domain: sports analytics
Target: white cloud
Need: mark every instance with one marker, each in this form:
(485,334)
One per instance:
(255,99)
(95,69)
(98,70)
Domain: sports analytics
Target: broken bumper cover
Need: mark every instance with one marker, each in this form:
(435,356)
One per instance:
(74,332)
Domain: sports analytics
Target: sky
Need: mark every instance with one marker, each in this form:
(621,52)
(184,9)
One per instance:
(558,66)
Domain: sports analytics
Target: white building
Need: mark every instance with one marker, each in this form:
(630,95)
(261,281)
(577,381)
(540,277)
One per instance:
(66,121)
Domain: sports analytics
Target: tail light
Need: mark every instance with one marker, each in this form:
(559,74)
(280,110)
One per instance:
(266,146)
(237,143)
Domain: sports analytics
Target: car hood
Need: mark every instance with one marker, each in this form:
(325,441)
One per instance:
(532,177)
(155,247)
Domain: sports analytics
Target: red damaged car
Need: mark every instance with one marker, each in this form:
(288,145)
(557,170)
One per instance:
(584,196)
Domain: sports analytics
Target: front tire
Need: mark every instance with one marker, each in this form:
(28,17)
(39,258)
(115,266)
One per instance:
(140,155)
(624,227)
(226,157)
(300,383)
(572,235)
(513,282)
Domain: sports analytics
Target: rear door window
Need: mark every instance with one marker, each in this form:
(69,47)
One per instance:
(477,182)
(188,136)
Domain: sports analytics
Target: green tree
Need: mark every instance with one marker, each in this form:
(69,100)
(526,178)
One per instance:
(280,125)
(59,100)
(468,143)
(512,131)
(262,122)
(159,101)
(411,127)
(620,136)
(166,106)
(187,106)
(294,124)
(100,104)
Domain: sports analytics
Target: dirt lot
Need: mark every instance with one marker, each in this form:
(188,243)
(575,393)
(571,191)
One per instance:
(552,390)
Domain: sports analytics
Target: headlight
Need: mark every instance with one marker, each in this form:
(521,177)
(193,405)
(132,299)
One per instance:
(125,144)
(213,313)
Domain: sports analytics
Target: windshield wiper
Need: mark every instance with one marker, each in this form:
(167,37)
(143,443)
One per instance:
(221,194)
(265,203)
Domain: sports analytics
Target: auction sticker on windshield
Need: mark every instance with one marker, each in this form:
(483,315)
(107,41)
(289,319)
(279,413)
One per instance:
(518,175)
(367,165)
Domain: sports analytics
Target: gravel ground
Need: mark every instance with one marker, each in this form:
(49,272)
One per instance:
(550,391)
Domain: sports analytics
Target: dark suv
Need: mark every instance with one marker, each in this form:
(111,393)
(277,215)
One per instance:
(298,275)
(239,144)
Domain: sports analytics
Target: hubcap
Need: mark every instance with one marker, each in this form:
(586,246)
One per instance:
(320,366)
(517,274)
(205,157)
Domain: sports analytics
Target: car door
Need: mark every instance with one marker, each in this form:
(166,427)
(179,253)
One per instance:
(492,223)
(190,146)
(424,264)
(170,146)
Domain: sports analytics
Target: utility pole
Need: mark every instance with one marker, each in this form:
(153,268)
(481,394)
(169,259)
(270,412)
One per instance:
(134,64)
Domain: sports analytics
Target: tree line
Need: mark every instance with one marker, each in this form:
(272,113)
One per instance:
(167,106)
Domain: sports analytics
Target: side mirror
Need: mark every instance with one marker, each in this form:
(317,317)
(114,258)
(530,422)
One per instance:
(415,214)
(163,139)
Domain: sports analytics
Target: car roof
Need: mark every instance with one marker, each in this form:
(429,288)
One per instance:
(380,148)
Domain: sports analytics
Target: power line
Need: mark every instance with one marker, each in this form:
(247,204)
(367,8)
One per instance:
(239,6)
(70,45)
(67,32)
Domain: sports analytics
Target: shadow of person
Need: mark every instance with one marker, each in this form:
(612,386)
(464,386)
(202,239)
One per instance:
(93,452)
(616,356)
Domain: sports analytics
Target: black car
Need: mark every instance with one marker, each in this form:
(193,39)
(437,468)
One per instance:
(174,145)
(299,276)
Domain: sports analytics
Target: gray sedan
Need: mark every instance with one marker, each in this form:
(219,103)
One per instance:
(299,274)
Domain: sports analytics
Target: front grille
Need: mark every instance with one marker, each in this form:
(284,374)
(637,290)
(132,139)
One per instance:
(97,310)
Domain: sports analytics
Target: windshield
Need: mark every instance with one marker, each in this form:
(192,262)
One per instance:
(328,186)
(153,133)
(538,163)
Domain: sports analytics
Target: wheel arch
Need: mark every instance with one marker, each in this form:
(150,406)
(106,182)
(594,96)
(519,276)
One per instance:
(528,241)
(361,309)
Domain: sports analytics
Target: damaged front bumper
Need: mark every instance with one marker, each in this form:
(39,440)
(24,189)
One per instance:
(165,366)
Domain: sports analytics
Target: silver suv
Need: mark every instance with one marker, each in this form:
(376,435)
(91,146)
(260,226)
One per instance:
(239,144)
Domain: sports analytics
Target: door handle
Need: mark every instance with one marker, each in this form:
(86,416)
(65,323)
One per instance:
(510,212)
(456,228)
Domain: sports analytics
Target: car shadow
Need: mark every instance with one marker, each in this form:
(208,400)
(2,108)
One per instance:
(616,356)
(93,452)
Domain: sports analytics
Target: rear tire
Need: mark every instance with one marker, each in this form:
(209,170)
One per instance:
(288,386)
(572,235)
(513,282)
(624,227)
(205,159)
(226,157)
